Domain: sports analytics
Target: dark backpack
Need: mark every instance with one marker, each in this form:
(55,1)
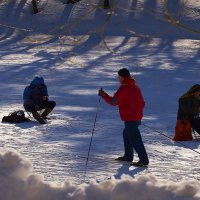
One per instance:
(16,117)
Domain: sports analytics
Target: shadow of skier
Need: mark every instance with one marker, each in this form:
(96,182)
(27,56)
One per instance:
(126,169)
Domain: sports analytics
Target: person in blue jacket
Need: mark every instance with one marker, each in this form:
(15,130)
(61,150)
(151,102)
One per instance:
(35,98)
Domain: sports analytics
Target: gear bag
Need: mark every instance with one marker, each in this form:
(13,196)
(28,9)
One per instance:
(183,131)
(16,117)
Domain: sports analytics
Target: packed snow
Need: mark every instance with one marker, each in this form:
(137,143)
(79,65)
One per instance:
(78,49)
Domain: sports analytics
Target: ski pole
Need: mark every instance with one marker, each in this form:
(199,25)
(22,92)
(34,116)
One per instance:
(95,119)
(171,138)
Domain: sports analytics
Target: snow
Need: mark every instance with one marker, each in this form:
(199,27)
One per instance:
(78,51)
(18,183)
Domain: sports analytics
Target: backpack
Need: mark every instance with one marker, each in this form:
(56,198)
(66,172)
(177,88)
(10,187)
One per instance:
(183,131)
(16,117)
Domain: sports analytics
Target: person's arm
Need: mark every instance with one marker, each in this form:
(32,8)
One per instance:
(45,95)
(112,100)
(27,96)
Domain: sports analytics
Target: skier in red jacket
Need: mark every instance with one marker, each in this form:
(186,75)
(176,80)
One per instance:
(130,101)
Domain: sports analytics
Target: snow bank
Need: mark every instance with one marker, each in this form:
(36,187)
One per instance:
(18,183)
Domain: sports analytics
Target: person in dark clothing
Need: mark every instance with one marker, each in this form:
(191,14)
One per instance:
(35,98)
(189,107)
(130,101)
(106,4)
(73,1)
(35,6)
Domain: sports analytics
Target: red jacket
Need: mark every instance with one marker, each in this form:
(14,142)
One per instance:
(129,100)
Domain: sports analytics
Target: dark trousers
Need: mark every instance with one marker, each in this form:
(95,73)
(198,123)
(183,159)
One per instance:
(195,123)
(133,140)
(106,4)
(46,104)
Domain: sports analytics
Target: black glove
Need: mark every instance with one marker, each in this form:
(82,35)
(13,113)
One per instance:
(101,93)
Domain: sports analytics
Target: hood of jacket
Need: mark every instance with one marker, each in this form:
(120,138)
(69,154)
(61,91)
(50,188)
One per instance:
(37,81)
(128,81)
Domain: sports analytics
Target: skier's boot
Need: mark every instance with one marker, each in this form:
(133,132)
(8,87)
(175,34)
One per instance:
(123,158)
(37,116)
(139,164)
(46,112)
(72,1)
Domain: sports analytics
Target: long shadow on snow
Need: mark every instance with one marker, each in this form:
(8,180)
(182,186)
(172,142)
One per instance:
(125,170)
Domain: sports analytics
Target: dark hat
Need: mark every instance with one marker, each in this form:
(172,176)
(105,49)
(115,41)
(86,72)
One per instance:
(124,72)
(194,89)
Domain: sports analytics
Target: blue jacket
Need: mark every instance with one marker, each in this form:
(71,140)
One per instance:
(34,92)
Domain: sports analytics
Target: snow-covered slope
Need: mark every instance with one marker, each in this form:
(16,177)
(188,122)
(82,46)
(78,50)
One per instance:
(78,49)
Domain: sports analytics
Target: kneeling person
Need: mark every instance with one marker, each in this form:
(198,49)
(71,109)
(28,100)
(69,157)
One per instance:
(189,107)
(36,98)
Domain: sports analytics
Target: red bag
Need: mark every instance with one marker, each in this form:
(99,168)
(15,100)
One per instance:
(183,131)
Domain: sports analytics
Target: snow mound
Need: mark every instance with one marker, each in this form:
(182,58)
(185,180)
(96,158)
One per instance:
(17,182)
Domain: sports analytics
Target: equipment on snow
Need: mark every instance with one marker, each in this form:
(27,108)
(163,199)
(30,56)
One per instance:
(183,131)
(16,117)
(186,146)
(95,119)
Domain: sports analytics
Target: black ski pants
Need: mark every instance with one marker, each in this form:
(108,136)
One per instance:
(195,123)
(46,104)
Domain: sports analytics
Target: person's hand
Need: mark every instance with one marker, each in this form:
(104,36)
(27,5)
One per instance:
(101,93)
(44,98)
(37,107)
